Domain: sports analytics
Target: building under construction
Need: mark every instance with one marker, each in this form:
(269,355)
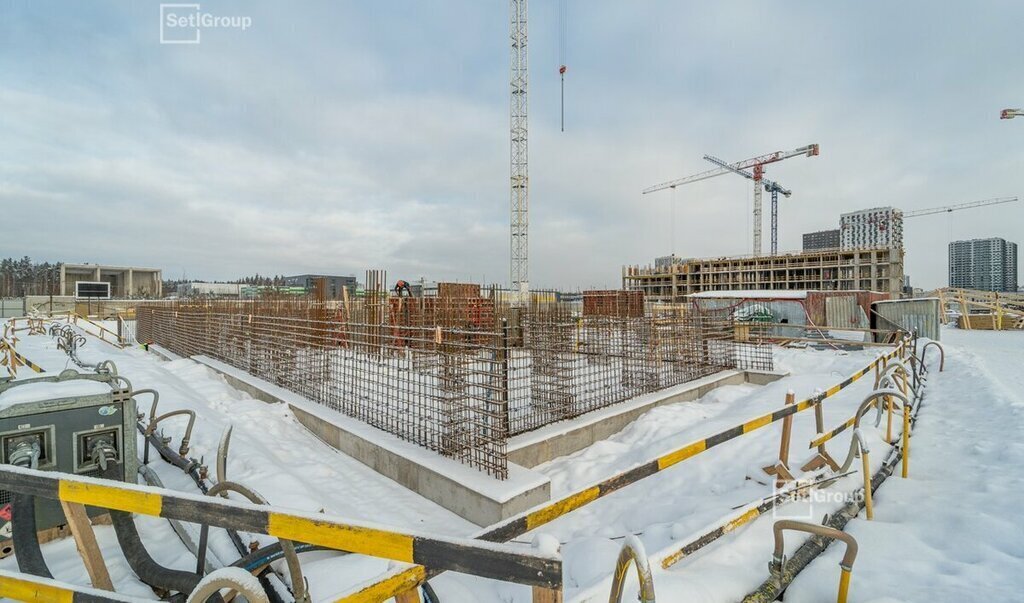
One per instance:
(875,269)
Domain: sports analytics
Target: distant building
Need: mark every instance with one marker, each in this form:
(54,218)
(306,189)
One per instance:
(335,284)
(984,264)
(125,281)
(823,239)
(871,229)
(201,289)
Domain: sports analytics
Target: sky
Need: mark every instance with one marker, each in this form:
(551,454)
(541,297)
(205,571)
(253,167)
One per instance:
(339,136)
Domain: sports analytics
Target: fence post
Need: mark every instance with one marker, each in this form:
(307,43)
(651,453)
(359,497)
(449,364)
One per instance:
(781,467)
(823,458)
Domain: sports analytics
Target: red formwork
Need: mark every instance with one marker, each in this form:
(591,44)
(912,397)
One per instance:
(613,302)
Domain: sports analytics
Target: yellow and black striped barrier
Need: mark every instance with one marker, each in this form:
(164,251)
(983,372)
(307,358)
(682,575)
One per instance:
(487,560)
(548,512)
(19,358)
(821,439)
(25,587)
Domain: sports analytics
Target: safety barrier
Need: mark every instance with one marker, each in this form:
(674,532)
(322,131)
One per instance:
(486,560)
(388,585)
(12,359)
(25,587)
(892,387)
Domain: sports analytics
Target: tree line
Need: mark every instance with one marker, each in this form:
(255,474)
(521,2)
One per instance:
(19,278)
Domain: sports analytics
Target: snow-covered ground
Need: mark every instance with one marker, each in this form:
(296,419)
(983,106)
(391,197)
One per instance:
(954,531)
(949,531)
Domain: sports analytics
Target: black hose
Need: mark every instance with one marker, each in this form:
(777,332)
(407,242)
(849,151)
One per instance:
(270,553)
(139,559)
(26,544)
(191,468)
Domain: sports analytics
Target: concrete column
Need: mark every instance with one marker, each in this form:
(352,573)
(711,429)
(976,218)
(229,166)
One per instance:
(63,280)
(97,274)
(130,288)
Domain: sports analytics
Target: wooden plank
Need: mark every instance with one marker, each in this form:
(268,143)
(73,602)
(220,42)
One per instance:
(85,541)
(546,595)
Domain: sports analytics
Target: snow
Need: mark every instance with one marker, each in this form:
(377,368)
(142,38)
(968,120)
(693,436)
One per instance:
(951,532)
(948,533)
(34,392)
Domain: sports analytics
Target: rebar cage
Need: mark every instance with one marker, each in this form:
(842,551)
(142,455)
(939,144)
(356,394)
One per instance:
(458,375)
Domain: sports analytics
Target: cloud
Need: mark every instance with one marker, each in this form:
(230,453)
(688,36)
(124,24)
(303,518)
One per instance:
(340,137)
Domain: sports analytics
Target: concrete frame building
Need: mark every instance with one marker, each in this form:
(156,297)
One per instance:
(878,269)
(125,281)
(983,264)
(871,228)
(823,239)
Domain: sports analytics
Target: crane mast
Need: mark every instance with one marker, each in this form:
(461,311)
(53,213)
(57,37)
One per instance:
(519,172)
(772,187)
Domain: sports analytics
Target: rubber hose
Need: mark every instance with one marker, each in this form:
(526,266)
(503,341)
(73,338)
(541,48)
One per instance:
(191,468)
(26,544)
(139,559)
(271,553)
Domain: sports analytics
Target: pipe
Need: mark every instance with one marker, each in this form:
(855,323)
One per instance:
(287,547)
(23,521)
(139,559)
(222,454)
(942,353)
(858,438)
(232,578)
(26,543)
(632,552)
(153,422)
(849,556)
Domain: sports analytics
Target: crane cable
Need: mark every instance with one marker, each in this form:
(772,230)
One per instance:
(563,17)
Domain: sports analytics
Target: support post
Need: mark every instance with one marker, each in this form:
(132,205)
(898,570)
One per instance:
(85,541)
(781,468)
(546,595)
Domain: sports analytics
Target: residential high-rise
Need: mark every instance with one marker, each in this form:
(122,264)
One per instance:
(871,228)
(983,264)
(823,239)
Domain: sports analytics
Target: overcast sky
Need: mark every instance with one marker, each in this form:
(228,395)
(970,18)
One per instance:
(338,136)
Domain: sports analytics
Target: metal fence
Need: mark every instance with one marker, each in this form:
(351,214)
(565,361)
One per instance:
(463,385)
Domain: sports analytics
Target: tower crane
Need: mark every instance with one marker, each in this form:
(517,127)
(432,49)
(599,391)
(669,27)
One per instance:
(1011,113)
(757,163)
(958,206)
(518,155)
(769,186)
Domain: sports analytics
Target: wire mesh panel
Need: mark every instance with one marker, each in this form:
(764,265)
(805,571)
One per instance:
(459,375)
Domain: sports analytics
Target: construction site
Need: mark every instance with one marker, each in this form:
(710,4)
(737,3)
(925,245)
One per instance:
(735,421)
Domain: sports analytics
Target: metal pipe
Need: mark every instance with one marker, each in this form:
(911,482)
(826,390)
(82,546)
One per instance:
(183,449)
(222,454)
(236,580)
(849,556)
(942,353)
(632,552)
(294,568)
